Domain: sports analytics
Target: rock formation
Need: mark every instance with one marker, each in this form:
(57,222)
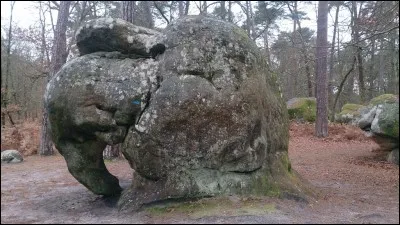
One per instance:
(194,107)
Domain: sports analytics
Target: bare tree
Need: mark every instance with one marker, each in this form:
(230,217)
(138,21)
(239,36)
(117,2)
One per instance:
(59,57)
(5,92)
(321,125)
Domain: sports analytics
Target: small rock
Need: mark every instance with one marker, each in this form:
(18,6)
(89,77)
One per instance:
(11,156)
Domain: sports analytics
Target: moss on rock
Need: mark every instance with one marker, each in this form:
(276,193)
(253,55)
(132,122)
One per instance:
(385,98)
(349,112)
(302,109)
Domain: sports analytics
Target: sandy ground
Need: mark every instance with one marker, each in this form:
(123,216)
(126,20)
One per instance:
(355,183)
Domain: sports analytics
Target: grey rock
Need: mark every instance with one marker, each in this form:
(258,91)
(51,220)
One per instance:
(202,118)
(11,156)
(393,156)
(108,35)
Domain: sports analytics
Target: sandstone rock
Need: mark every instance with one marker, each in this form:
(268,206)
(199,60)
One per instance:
(381,120)
(385,98)
(348,113)
(109,35)
(11,156)
(202,118)
(302,109)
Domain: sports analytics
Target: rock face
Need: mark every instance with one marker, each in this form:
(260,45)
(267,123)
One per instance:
(381,119)
(11,156)
(302,109)
(200,117)
(349,113)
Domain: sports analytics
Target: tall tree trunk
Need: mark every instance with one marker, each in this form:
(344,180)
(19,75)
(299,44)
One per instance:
(381,84)
(5,93)
(321,125)
(59,57)
(252,28)
(230,11)
(303,49)
(128,11)
(266,46)
(392,78)
(371,76)
(148,15)
(358,50)
(223,10)
(187,8)
(181,8)
(331,58)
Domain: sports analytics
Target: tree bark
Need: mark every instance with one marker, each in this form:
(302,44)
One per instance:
(5,93)
(230,11)
(59,57)
(321,125)
(330,86)
(223,10)
(128,11)
(358,50)
(181,8)
(187,8)
(371,76)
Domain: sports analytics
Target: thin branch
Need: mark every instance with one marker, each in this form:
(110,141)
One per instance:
(160,11)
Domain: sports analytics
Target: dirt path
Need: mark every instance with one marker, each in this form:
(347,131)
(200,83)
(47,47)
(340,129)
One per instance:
(356,185)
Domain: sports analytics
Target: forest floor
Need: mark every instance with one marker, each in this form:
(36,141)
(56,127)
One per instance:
(354,182)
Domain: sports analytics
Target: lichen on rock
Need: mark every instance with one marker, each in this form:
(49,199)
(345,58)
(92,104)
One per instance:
(201,117)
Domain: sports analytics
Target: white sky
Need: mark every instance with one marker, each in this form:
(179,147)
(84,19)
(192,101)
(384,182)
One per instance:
(25,15)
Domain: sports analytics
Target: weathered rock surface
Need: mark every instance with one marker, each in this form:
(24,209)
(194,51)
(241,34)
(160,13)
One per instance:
(302,109)
(348,113)
(380,118)
(109,35)
(202,118)
(11,156)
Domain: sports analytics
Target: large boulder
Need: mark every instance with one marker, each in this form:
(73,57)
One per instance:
(380,118)
(201,117)
(11,156)
(302,109)
(348,113)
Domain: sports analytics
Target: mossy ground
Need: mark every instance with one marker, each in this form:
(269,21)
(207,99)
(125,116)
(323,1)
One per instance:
(216,206)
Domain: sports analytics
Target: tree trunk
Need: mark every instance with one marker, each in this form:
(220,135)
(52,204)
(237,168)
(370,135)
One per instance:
(148,15)
(266,46)
(181,8)
(230,11)
(321,125)
(341,88)
(5,93)
(187,8)
(128,11)
(381,74)
(223,10)
(371,76)
(358,50)
(59,57)
(332,56)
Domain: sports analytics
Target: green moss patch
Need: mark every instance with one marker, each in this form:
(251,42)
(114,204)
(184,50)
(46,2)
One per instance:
(302,108)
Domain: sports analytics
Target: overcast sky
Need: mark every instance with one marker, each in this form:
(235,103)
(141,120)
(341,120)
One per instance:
(25,15)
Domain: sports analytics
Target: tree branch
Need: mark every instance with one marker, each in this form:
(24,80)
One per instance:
(160,11)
